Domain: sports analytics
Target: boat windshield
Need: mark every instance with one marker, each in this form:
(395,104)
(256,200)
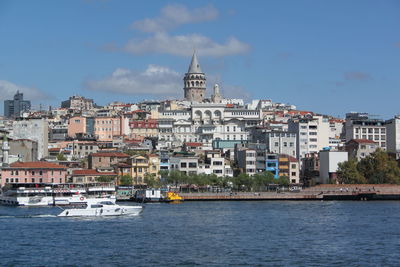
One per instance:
(96,206)
(106,203)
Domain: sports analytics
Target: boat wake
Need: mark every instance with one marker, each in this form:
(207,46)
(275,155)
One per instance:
(27,216)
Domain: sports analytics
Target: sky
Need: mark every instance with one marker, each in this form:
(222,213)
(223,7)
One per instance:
(329,57)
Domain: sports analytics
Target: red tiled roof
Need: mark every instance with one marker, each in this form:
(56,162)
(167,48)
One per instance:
(54,149)
(91,172)
(364,141)
(195,144)
(229,105)
(300,112)
(110,154)
(292,159)
(36,165)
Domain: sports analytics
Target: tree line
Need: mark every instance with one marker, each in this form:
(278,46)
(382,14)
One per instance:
(243,182)
(377,168)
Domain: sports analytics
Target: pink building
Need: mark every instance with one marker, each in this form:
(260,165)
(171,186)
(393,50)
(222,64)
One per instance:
(107,127)
(33,172)
(76,125)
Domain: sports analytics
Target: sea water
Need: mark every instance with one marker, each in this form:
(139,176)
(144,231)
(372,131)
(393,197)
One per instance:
(258,233)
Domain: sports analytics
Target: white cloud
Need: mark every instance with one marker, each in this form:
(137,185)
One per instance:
(8,90)
(183,45)
(174,15)
(155,80)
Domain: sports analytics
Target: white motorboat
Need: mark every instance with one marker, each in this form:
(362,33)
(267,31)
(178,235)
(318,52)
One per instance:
(103,208)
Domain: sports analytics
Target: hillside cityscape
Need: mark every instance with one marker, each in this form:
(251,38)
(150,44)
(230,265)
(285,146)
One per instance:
(150,143)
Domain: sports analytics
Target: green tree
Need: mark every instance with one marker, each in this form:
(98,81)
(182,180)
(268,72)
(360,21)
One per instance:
(105,179)
(125,180)
(348,173)
(380,168)
(61,157)
(151,180)
(242,182)
(262,180)
(283,180)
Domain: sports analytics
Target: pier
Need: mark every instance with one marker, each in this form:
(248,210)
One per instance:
(323,192)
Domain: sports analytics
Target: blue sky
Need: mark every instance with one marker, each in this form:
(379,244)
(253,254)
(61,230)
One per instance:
(330,57)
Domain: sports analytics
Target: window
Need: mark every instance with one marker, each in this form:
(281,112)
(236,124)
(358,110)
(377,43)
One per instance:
(293,166)
(285,144)
(364,130)
(33,180)
(370,130)
(192,165)
(16,172)
(183,165)
(276,144)
(293,173)
(41,180)
(40,172)
(33,172)
(291,144)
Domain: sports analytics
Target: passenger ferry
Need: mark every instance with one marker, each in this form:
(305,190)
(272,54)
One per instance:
(40,194)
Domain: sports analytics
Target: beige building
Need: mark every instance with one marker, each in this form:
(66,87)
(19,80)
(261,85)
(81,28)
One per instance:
(142,165)
(360,148)
(106,159)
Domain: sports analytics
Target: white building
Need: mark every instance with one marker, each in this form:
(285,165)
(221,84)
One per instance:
(329,161)
(33,129)
(360,126)
(393,135)
(312,134)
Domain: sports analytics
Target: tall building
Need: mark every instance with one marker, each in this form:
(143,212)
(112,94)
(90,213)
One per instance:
(312,134)
(194,82)
(13,108)
(393,135)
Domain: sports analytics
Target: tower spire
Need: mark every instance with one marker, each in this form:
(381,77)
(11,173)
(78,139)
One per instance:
(194,65)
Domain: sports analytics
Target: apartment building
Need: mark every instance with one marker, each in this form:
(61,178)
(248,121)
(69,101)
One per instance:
(312,134)
(361,126)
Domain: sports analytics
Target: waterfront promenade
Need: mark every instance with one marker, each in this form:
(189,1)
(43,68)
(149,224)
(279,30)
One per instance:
(321,192)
